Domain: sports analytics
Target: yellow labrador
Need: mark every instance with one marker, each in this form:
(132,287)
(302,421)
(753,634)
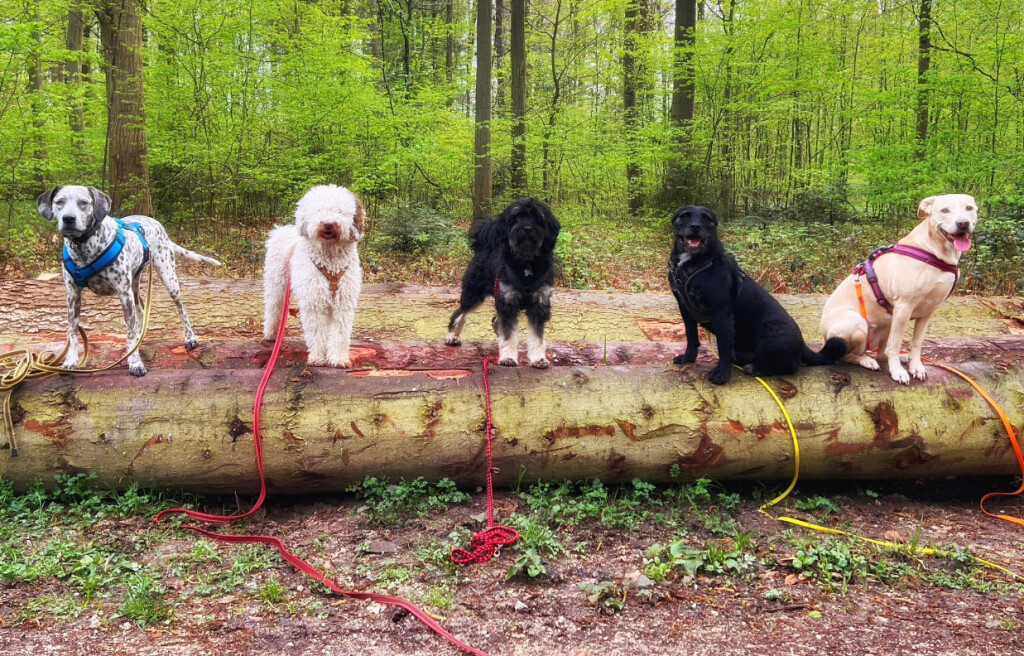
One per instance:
(911,283)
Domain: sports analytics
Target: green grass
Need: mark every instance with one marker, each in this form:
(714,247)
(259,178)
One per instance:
(388,503)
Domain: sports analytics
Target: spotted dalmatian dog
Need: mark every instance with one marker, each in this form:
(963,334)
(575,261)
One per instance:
(81,216)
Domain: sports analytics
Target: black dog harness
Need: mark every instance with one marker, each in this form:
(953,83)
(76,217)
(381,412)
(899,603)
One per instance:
(82,275)
(700,315)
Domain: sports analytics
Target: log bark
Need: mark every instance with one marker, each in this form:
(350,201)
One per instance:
(325,429)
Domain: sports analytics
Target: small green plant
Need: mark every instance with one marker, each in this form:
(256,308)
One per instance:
(272,592)
(415,229)
(832,563)
(827,506)
(607,596)
(724,556)
(144,602)
(392,503)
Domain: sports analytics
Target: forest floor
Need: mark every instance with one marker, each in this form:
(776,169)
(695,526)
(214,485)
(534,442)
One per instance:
(685,569)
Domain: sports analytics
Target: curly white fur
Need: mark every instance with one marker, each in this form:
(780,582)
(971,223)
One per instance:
(329,222)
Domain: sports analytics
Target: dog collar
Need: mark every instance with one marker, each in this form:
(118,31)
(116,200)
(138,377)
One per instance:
(82,274)
(87,235)
(333,278)
(867,269)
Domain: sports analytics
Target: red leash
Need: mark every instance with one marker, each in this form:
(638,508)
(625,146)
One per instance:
(291,558)
(487,542)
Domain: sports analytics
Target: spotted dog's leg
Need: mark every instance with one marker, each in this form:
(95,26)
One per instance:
(133,326)
(169,275)
(74,311)
(538,314)
(473,294)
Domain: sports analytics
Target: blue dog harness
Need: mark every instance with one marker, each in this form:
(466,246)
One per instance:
(81,275)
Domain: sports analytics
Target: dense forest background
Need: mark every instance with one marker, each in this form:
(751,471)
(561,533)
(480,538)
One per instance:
(813,126)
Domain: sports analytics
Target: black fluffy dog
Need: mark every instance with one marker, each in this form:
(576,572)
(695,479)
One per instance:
(752,328)
(513,260)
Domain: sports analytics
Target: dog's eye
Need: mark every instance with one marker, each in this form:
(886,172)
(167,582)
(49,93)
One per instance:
(59,202)
(970,208)
(945,210)
(83,204)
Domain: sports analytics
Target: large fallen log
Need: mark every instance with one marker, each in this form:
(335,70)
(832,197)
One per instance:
(325,429)
(613,408)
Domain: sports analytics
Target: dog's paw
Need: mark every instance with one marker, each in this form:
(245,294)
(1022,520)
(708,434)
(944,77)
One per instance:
(316,362)
(868,362)
(900,375)
(452,340)
(191,344)
(918,371)
(751,370)
(342,364)
(508,362)
(720,375)
(685,358)
(70,364)
(138,369)
(542,363)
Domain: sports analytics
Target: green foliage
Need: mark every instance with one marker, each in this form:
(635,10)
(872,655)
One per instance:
(144,601)
(393,503)
(824,504)
(414,229)
(608,596)
(832,563)
(724,556)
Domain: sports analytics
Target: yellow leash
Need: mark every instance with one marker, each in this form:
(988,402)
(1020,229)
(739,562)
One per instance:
(20,365)
(928,551)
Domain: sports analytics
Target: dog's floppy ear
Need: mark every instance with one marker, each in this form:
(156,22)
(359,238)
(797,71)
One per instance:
(44,203)
(359,220)
(925,208)
(100,204)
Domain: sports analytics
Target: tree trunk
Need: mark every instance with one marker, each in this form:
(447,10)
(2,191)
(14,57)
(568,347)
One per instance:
(518,43)
(482,142)
(924,46)
(680,178)
(449,43)
(73,70)
(631,81)
(35,85)
(500,78)
(127,159)
(326,429)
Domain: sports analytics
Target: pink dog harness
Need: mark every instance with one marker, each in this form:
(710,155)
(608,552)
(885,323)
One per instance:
(866,269)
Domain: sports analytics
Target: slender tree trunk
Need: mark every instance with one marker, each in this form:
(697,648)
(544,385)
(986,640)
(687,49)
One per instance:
(482,143)
(35,84)
(680,178)
(500,78)
(449,43)
(725,201)
(127,155)
(73,70)
(631,81)
(556,94)
(518,43)
(924,46)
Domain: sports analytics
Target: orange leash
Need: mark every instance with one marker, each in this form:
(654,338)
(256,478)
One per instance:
(992,402)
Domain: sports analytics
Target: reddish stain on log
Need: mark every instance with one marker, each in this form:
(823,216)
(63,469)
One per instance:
(58,431)
(290,436)
(382,373)
(706,455)
(339,435)
(578,431)
(355,429)
(156,439)
(345,459)
(616,464)
(912,455)
(448,374)
(787,390)
(662,331)
(628,429)
(887,424)
(977,423)
(433,416)
(735,427)
(836,448)
(384,419)
(765,430)
(840,380)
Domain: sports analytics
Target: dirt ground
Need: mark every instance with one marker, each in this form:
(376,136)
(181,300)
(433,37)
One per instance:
(768,608)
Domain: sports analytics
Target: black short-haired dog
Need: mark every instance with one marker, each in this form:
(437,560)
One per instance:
(752,328)
(514,261)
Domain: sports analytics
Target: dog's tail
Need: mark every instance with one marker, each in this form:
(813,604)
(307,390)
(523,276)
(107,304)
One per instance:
(831,352)
(486,233)
(184,252)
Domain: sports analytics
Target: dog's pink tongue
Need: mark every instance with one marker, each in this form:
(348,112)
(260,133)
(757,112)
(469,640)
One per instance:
(962,243)
(694,243)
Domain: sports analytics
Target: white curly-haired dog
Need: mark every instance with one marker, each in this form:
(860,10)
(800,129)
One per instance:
(319,253)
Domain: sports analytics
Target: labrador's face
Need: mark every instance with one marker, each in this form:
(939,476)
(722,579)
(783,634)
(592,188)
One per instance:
(695,228)
(952,217)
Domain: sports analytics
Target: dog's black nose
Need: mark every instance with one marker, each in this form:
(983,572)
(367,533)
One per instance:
(963,224)
(68,219)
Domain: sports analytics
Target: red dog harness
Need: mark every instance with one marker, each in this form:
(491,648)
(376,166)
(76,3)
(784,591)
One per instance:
(866,269)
